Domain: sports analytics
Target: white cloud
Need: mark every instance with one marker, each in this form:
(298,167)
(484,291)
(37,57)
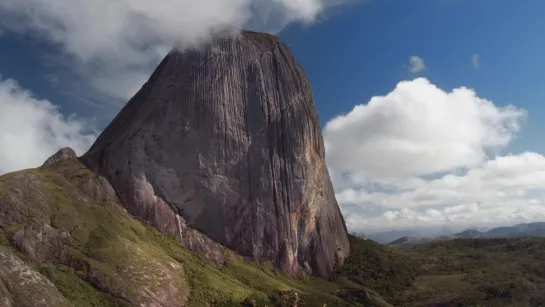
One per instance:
(420,156)
(503,177)
(475,60)
(31,130)
(104,50)
(419,129)
(417,64)
(509,213)
(115,45)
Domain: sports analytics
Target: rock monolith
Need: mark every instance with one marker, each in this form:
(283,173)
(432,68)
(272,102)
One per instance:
(225,139)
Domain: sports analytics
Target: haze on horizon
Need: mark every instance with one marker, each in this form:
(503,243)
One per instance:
(418,136)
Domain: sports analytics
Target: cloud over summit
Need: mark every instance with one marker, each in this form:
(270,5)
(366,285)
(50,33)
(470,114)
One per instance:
(120,42)
(90,29)
(107,49)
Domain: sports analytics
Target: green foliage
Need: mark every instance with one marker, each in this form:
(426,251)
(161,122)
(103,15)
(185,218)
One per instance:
(77,290)
(105,239)
(362,297)
(479,272)
(461,272)
(374,266)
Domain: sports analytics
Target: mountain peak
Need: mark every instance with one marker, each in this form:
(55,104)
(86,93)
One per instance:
(226,140)
(61,155)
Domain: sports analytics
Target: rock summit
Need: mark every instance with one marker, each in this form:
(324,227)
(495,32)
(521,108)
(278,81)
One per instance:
(225,139)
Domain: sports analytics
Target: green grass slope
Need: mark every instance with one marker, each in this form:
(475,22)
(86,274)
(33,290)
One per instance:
(478,272)
(65,241)
(73,245)
(459,272)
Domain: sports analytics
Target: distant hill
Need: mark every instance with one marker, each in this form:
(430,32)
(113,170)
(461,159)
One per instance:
(520,230)
(477,272)
(385,237)
(536,229)
(469,234)
(408,242)
(459,272)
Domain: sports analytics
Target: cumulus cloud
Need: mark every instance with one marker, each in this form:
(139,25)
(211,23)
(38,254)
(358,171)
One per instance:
(419,129)
(32,129)
(461,216)
(475,60)
(115,45)
(421,155)
(416,64)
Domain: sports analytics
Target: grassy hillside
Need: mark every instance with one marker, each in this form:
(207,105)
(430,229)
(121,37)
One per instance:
(478,272)
(460,272)
(383,269)
(64,240)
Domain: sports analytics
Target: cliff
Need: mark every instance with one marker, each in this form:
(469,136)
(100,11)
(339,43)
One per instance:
(226,140)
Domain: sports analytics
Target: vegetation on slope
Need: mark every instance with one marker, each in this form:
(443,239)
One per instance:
(71,244)
(479,272)
(89,251)
(385,270)
(460,272)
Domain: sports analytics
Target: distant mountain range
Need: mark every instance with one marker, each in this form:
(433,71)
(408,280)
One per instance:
(521,230)
(385,237)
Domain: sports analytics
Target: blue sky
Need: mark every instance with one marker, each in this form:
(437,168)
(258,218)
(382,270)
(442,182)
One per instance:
(363,51)
(351,53)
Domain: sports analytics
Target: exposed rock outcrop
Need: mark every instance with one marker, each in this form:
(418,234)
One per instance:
(21,285)
(61,227)
(141,276)
(226,139)
(43,243)
(144,203)
(61,155)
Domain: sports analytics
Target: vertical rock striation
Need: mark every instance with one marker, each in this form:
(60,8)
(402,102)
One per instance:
(227,141)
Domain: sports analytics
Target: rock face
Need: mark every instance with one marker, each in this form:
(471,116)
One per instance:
(61,155)
(226,140)
(64,220)
(21,285)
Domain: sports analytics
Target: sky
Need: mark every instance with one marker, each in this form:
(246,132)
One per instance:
(431,110)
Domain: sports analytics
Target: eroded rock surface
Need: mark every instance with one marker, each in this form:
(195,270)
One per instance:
(139,274)
(61,155)
(20,285)
(42,243)
(64,216)
(156,211)
(228,138)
